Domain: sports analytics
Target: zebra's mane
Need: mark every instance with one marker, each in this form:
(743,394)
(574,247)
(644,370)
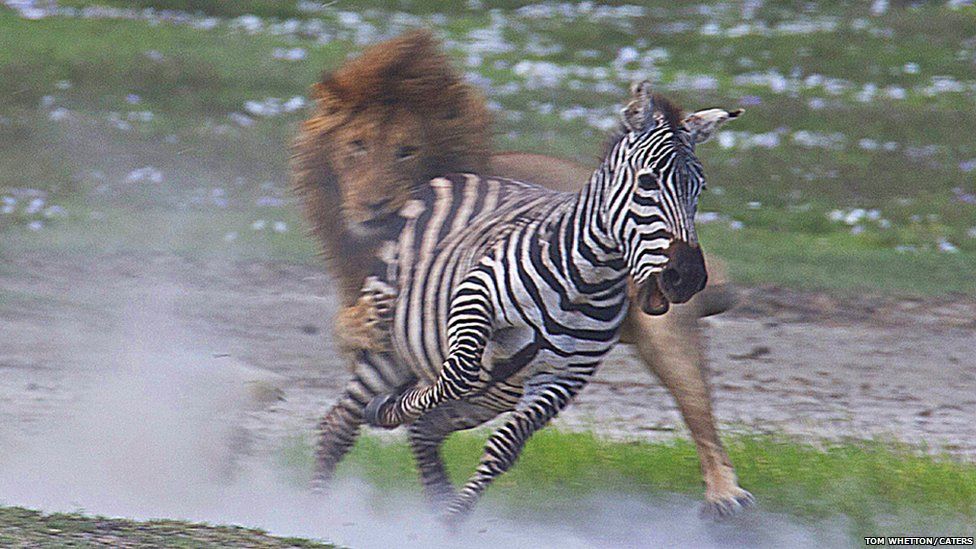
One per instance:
(671,112)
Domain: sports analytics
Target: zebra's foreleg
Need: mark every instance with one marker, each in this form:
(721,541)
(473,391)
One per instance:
(340,426)
(545,396)
(428,433)
(469,327)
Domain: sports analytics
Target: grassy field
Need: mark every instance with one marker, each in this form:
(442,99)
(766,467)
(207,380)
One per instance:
(862,488)
(853,168)
(871,486)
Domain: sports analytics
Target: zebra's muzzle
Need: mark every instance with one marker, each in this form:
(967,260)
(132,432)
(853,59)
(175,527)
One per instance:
(651,299)
(683,277)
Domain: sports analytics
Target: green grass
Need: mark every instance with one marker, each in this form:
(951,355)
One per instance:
(876,486)
(27,528)
(838,264)
(191,80)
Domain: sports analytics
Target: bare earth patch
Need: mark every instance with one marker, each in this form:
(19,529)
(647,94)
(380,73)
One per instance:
(796,363)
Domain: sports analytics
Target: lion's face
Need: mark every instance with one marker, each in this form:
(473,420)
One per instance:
(378,158)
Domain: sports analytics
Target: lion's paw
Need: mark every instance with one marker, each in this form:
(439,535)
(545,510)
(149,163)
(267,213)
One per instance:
(365,325)
(728,504)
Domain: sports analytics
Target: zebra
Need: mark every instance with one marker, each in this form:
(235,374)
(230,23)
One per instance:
(503,297)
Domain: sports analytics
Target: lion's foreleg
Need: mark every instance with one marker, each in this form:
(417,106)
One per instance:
(672,346)
(364,325)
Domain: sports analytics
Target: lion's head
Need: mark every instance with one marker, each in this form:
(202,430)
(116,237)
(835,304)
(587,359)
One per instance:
(385,122)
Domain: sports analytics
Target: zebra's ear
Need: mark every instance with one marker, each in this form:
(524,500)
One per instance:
(702,124)
(638,113)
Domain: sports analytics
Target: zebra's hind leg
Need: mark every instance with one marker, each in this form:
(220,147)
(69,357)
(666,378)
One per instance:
(545,395)
(339,428)
(337,433)
(429,432)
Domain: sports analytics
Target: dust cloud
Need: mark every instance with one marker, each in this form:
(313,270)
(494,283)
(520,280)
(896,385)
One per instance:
(157,434)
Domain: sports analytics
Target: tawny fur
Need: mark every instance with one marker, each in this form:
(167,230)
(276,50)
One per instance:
(406,80)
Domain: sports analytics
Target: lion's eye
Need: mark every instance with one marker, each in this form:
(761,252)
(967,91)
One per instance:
(357,147)
(406,152)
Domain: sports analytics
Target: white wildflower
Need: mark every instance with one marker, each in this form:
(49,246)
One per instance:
(726,140)
(35,225)
(947,247)
(58,114)
(55,211)
(295,103)
(895,92)
(910,68)
(147,173)
(240,119)
(34,206)
(289,54)
(626,55)
(735,225)
(280,227)
(868,144)
(271,106)
(854,216)
(707,217)
(247,23)
(259,225)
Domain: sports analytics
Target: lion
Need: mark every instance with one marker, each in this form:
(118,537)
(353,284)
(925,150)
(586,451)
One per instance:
(394,118)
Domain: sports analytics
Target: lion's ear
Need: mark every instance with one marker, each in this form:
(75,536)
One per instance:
(326,97)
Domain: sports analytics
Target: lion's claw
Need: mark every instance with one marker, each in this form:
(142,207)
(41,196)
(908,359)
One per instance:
(728,507)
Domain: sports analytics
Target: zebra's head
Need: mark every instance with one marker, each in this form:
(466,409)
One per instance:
(655,183)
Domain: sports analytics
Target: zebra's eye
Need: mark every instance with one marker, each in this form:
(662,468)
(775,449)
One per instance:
(405,152)
(648,182)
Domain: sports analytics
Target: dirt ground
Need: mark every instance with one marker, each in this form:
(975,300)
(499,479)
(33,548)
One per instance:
(784,361)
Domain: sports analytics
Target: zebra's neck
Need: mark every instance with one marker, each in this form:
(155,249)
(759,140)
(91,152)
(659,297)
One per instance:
(593,255)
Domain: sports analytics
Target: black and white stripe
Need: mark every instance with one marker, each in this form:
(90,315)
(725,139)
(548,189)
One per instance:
(509,295)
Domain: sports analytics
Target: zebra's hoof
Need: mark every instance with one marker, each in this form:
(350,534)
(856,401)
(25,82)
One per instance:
(374,411)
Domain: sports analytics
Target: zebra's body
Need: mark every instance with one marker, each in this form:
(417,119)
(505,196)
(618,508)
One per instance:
(507,295)
(503,233)
(501,306)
